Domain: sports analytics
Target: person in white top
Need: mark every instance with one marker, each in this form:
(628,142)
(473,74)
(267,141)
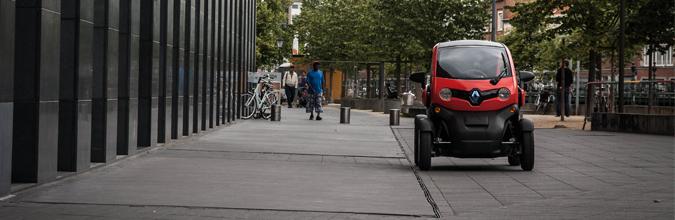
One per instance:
(290,81)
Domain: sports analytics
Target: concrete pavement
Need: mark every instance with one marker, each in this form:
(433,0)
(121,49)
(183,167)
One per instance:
(577,175)
(301,169)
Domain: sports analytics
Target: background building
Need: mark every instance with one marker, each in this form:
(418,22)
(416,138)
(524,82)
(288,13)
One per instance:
(86,81)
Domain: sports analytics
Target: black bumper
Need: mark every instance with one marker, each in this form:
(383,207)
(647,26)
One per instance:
(472,134)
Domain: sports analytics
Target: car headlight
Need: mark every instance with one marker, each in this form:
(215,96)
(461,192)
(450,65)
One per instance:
(504,93)
(445,94)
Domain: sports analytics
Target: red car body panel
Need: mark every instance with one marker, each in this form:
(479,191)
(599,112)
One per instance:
(457,104)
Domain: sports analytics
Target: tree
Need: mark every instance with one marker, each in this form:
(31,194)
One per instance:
(271,26)
(386,30)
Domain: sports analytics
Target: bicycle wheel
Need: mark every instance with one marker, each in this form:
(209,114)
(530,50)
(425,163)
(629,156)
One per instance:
(265,108)
(248,106)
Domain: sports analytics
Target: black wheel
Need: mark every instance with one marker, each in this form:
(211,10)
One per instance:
(416,149)
(527,148)
(424,161)
(514,160)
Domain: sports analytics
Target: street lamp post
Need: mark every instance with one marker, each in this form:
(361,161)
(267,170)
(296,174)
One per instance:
(280,44)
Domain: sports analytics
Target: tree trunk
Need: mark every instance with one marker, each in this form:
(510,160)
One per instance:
(589,86)
(398,74)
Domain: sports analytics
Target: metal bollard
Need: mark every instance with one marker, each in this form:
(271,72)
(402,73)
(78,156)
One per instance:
(344,115)
(276,113)
(394,116)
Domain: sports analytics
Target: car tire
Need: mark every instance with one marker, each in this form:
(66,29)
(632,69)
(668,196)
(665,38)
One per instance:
(514,160)
(416,149)
(527,155)
(424,161)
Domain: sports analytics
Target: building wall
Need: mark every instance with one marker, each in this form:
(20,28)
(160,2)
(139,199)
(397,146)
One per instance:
(94,80)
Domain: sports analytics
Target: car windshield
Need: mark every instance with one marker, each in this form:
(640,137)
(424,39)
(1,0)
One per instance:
(471,62)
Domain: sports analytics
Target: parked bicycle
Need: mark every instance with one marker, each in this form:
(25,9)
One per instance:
(545,99)
(258,103)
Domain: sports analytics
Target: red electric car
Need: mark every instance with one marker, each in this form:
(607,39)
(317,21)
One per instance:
(473,98)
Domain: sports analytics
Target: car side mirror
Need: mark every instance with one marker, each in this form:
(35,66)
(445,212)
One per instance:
(526,76)
(419,77)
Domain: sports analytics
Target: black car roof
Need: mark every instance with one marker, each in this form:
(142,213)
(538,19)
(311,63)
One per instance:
(470,43)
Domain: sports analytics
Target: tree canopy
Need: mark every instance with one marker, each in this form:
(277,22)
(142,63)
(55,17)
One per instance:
(586,25)
(271,19)
(386,30)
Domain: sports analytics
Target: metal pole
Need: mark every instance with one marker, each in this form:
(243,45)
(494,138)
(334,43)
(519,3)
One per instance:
(380,94)
(576,104)
(650,93)
(494,20)
(563,97)
(368,88)
(621,51)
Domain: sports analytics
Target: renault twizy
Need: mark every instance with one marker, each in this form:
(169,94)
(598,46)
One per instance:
(473,98)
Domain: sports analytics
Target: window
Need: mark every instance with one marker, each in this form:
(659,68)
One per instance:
(500,20)
(295,6)
(471,62)
(659,58)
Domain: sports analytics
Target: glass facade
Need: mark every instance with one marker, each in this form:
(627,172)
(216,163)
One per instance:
(94,80)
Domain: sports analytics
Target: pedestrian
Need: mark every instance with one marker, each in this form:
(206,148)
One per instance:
(315,97)
(565,98)
(290,85)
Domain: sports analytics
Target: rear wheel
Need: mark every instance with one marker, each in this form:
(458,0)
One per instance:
(424,147)
(527,148)
(416,149)
(266,109)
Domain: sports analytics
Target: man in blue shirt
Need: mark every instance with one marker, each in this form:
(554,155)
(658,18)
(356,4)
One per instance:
(315,83)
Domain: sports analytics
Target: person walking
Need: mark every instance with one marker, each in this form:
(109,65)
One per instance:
(315,97)
(290,85)
(565,98)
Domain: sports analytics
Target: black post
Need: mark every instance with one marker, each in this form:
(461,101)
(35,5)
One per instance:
(380,94)
(622,37)
(145,75)
(368,77)
(186,68)
(589,86)
(563,97)
(74,144)
(175,61)
(398,74)
(650,76)
(195,86)
(163,38)
(206,74)
(7,94)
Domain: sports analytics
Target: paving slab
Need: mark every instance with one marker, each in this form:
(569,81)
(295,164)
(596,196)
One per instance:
(294,168)
(577,175)
(246,184)
(367,135)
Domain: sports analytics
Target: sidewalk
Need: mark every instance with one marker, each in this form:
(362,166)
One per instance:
(301,169)
(291,169)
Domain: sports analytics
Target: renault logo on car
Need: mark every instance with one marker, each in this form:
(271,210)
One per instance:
(475,96)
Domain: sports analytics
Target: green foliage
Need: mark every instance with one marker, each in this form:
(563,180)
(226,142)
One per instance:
(271,17)
(585,25)
(386,30)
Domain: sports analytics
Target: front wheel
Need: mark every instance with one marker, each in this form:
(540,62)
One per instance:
(248,108)
(527,155)
(424,148)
